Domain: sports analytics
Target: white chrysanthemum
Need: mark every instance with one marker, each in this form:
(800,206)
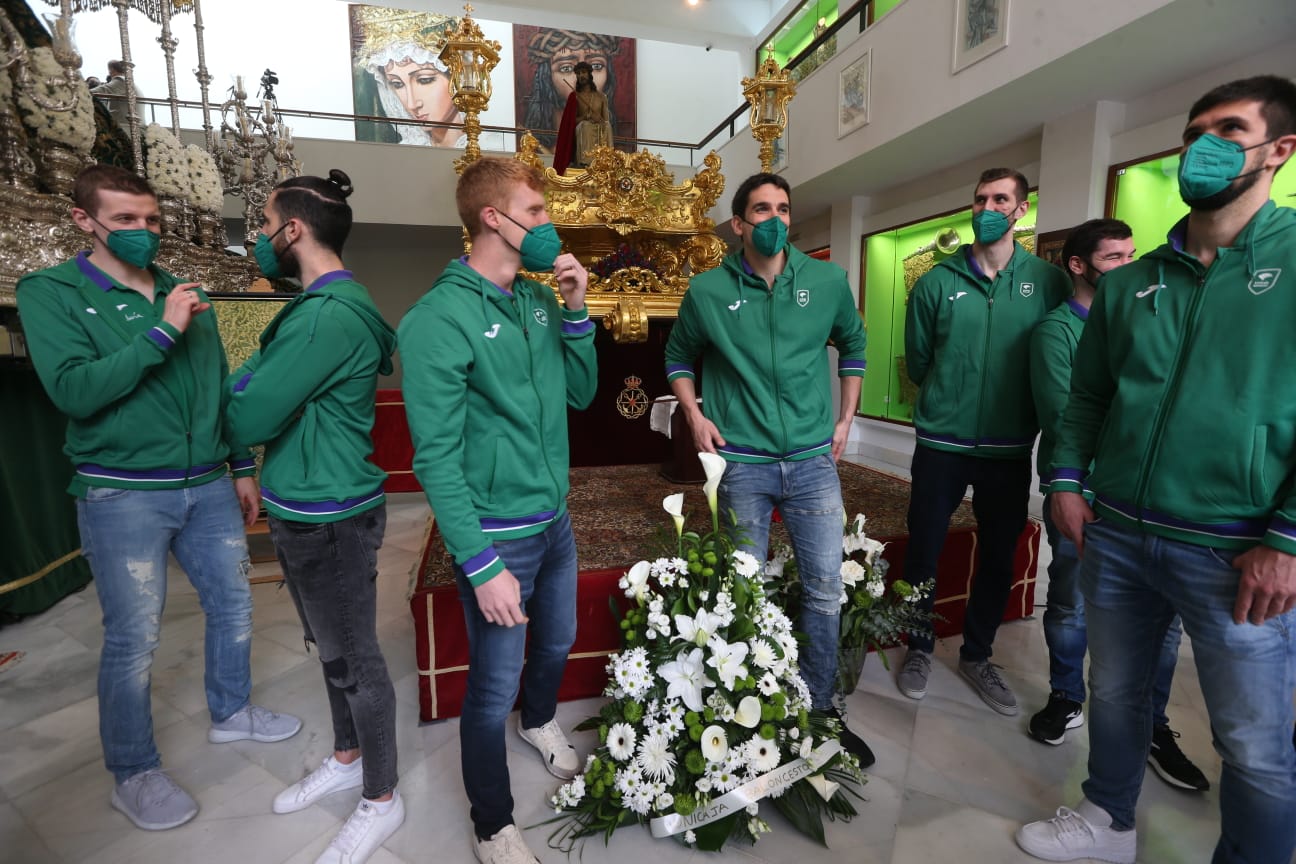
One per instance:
(165,157)
(632,672)
(689,837)
(621,741)
(655,758)
(762,653)
(715,744)
(745,564)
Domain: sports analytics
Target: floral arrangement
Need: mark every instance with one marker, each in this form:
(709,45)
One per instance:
(875,614)
(166,165)
(205,190)
(708,715)
(74,127)
(624,256)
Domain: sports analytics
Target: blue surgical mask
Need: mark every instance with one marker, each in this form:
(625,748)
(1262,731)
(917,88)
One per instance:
(769,237)
(1209,164)
(540,246)
(989,225)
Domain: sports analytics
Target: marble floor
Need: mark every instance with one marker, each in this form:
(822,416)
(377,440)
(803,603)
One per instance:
(952,782)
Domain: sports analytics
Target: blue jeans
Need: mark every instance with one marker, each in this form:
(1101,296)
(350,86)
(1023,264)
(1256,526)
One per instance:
(125,536)
(1134,584)
(1064,628)
(808,494)
(545,567)
(1001,491)
(331,569)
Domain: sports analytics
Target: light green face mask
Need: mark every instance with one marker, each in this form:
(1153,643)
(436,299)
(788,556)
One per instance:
(769,237)
(1209,164)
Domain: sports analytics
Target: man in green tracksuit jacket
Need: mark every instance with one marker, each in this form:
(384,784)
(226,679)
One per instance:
(967,347)
(1181,398)
(308,394)
(133,357)
(491,363)
(761,322)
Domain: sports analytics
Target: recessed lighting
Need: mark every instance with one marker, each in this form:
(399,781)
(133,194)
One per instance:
(692,2)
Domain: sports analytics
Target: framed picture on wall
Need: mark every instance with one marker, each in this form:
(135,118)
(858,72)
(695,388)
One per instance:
(853,95)
(980,29)
(1048,246)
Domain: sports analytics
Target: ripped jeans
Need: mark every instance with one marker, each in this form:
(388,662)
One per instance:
(125,536)
(330,569)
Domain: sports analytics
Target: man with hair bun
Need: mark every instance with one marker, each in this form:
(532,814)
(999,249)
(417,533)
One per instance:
(132,356)
(308,395)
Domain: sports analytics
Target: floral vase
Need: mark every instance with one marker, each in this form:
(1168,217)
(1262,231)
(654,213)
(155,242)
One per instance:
(57,165)
(850,665)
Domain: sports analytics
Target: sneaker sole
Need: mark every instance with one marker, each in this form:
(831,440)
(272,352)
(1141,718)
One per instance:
(912,694)
(219,736)
(1171,780)
(120,806)
(297,807)
(1045,855)
(1006,710)
(1074,723)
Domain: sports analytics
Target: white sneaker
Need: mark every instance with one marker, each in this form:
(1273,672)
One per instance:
(332,776)
(506,847)
(559,755)
(364,832)
(1082,833)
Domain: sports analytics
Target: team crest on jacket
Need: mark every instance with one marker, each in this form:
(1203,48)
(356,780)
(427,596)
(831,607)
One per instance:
(542,317)
(1263,280)
(1027,289)
(803,297)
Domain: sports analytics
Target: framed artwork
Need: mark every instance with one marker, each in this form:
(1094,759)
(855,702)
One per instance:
(543,67)
(853,94)
(1048,245)
(980,29)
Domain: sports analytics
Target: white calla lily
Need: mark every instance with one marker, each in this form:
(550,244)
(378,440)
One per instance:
(749,712)
(674,505)
(713,465)
(714,743)
(825,787)
(637,580)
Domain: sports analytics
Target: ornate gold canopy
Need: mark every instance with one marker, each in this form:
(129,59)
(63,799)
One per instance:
(630,202)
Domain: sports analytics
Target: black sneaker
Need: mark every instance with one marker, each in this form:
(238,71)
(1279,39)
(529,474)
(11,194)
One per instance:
(1059,715)
(1170,763)
(851,742)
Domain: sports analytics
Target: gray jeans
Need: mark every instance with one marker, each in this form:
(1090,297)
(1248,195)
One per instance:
(330,569)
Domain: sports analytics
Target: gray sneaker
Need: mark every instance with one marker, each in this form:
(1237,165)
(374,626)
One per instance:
(986,681)
(254,723)
(914,672)
(153,801)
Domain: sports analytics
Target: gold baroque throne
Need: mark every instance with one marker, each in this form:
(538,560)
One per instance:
(629,203)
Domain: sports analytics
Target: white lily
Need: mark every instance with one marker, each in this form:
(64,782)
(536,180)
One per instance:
(713,465)
(697,629)
(714,743)
(674,505)
(749,712)
(685,677)
(727,660)
(637,580)
(872,549)
(825,787)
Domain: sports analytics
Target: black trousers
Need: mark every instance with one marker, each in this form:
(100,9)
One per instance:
(1001,491)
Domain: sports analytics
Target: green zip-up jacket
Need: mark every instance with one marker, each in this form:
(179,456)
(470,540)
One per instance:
(143,400)
(308,394)
(1052,353)
(1182,394)
(967,347)
(764,381)
(488,374)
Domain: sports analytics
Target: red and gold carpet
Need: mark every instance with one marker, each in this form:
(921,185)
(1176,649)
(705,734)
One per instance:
(617,519)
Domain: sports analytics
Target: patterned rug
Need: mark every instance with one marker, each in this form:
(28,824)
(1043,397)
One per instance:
(617,516)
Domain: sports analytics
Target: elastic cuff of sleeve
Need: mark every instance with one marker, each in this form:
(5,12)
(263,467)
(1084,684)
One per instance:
(679,370)
(483,566)
(1061,485)
(575,316)
(1281,536)
(243,467)
(163,335)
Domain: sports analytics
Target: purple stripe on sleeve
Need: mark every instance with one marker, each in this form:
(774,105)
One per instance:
(161,337)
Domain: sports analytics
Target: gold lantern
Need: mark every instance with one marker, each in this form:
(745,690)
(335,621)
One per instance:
(470,56)
(768,94)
